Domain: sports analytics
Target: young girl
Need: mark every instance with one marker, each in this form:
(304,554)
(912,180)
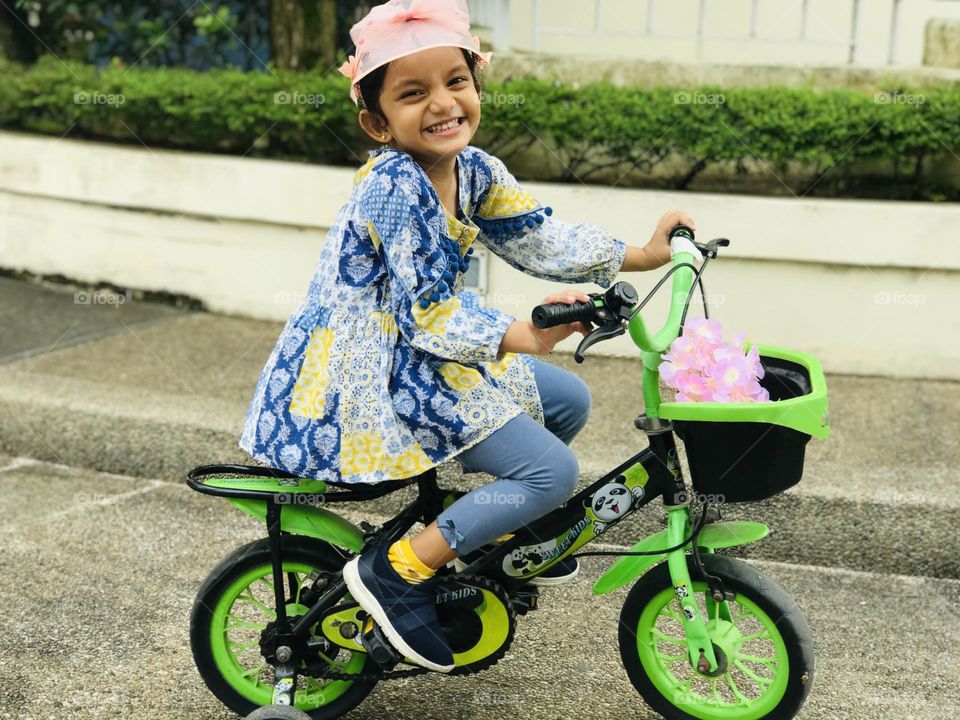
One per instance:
(388,368)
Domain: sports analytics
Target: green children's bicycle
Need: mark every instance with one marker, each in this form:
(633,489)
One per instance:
(275,633)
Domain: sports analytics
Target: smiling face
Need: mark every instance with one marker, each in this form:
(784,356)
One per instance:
(429,106)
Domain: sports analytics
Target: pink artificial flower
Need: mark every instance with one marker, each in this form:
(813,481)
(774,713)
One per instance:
(668,371)
(730,373)
(681,354)
(701,367)
(753,356)
(708,329)
(693,385)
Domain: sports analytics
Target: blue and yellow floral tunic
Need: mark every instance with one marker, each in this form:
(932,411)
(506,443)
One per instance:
(388,367)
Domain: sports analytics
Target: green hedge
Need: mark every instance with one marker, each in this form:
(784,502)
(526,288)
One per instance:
(831,143)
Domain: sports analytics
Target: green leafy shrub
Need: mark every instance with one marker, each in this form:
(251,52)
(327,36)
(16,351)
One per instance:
(826,143)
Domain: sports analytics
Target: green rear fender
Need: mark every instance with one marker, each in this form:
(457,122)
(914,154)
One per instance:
(713,536)
(310,521)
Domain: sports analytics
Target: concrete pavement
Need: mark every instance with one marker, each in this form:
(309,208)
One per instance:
(102,571)
(102,567)
(156,399)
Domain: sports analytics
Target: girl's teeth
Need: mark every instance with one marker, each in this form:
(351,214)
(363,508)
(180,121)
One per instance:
(445,126)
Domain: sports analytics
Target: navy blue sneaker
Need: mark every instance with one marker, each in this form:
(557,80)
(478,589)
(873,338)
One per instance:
(563,571)
(406,613)
(560,572)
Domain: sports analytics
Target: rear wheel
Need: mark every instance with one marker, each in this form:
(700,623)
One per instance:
(761,640)
(234,606)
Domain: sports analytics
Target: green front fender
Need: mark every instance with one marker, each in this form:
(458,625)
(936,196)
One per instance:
(309,520)
(713,536)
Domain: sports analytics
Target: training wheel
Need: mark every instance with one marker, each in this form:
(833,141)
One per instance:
(277,712)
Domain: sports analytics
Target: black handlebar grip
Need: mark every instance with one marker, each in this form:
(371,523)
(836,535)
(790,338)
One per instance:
(547,316)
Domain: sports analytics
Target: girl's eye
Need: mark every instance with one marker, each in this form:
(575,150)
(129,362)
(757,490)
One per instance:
(458,80)
(408,93)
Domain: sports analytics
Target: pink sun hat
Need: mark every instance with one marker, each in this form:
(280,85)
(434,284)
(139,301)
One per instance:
(402,27)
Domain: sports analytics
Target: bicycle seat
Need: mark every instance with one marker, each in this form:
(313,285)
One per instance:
(259,482)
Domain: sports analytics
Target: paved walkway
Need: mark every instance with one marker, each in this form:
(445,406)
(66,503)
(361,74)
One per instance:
(102,567)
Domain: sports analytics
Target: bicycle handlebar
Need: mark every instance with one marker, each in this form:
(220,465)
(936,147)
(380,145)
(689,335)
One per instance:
(547,316)
(613,309)
(681,247)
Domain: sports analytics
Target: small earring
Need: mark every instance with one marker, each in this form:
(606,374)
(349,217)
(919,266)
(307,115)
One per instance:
(384,137)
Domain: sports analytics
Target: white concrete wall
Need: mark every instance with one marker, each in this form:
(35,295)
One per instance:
(571,28)
(869,287)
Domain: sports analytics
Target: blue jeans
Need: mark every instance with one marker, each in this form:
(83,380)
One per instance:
(535,470)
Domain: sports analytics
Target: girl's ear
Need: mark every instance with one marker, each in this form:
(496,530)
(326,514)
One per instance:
(375,126)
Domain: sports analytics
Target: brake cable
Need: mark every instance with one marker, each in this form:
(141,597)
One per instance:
(636,553)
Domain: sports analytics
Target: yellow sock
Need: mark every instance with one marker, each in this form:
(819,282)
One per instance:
(407,564)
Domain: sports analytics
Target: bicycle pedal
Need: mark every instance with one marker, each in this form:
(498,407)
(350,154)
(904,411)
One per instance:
(378,647)
(525,599)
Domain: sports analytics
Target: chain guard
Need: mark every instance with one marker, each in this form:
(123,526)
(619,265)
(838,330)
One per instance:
(460,634)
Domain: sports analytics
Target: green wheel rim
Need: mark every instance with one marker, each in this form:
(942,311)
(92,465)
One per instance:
(757,663)
(240,615)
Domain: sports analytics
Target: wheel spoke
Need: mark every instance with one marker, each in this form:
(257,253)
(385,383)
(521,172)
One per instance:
(242,646)
(672,613)
(763,634)
(255,672)
(759,680)
(763,661)
(295,582)
(235,622)
(342,667)
(668,659)
(660,636)
(736,691)
(249,598)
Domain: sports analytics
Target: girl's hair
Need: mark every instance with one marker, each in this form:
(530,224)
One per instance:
(372,85)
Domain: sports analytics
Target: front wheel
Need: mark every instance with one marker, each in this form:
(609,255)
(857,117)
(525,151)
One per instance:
(234,606)
(761,640)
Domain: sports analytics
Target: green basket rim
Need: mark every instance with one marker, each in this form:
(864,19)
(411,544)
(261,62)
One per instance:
(807,414)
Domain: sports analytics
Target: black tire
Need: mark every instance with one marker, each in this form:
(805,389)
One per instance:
(252,558)
(749,585)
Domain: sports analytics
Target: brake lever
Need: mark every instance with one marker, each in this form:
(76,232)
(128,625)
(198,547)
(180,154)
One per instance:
(710,249)
(604,332)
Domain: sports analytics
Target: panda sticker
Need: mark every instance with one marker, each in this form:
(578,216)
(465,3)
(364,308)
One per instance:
(523,560)
(612,502)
